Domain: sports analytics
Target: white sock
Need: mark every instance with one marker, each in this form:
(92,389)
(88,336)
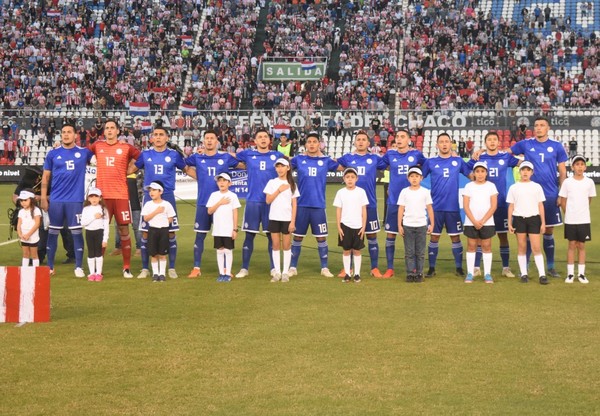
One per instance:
(539,263)
(346,261)
(154,267)
(522,264)
(162,267)
(570,269)
(287,259)
(580,268)
(276,260)
(357,264)
(99,264)
(470,261)
(228,261)
(487,263)
(36,262)
(92,264)
(24,262)
(221,261)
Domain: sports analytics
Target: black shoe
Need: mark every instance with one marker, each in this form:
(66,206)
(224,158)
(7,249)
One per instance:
(155,278)
(161,278)
(553,273)
(524,279)
(543,280)
(410,278)
(69,260)
(347,279)
(356,278)
(418,278)
(460,272)
(430,272)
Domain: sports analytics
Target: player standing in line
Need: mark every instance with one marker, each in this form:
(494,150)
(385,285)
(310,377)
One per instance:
(445,171)
(312,170)
(113,159)
(260,166)
(399,160)
(160,164)
(499,165)
(64,171)
(204,168)
(546,155)
(366,165)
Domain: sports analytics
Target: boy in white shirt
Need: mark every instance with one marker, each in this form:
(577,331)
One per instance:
(576,195)
(526,218)
(223,206)
(159,214)
(351,215)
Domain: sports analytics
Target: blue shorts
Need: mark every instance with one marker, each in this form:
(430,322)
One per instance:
(61,213)
(203,221)
(169,198)
(449,219)
(373,225)
(391,219)
(255,214)
(552,213)
(501,219)
(315,217)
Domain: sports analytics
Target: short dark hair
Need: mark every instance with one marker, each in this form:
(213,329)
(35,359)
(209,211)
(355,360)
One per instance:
(210,131)
(163,128)
(443,134)
(313,134)
(403,130)
(112,120)
(262,130)
(542,118)
(69,125)
(490,133)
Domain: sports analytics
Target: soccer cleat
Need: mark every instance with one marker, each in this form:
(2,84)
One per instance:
(325,272)
(226,278)
(195,273)
(410,278)
(172,273)
(544,280)
(342,273)
(276,277)
(356,278)
(469,278)
(583,279)
(285,278)
(476,271)
(79,272)
(243,273)
(292,271)
(569,279)
(488,278)
(430,272)
(52,272)
(460,272)
(376,273)
(99,277)
(220,278)
(346,279)
(419,278)
(155,278)
(272,272)
(127,274)
(389,273)
(524,278)
(161,278)
(144,274)
(553,273)
(506,272)
(92,278)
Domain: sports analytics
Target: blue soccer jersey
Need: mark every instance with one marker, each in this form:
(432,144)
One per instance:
(312,179)
(161,166)
(207,167)
(499,172)
(544,156)
(399,164)
(261,169)
(445,178)
(366,166)
(67,167)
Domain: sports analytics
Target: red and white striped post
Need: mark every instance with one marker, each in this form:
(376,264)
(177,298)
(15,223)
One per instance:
(24,294)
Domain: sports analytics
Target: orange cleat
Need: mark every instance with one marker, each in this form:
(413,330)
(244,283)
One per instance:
(389,273)
(342,273)
(195,273)
(376,273)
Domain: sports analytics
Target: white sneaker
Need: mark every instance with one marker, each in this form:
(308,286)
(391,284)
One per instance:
(285,277)
(144,274)
(272,272)
(172,273)
(506,272)
(127,274)
(583,279)
(569,279)
(79,272)
(325,272)
(276,277)
(477,271)
(292,272)
(242,273)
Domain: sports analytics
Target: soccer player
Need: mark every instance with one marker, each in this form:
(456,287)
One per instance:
(113,159)
(499,165)
(312,169)
(160,163)
(204,168)
(546,155)
(445,171)
(399,160)
(260,165)
(366,165)
(64,171)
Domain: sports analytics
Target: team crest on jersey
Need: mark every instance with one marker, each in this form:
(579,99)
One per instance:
(550,150)
(320,163)
(167,159)
(119,151)
(77,155)
(369,161)
(410,159)
(501,162)
(220,162)
(273,157)
(454,163)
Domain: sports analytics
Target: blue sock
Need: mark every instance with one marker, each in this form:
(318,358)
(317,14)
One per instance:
(433,253)
(270,248)
(323,252)
(51,246)
(457,251)
(505,255)
(247,250)
(78,246)
(549,250)
(144,251)
(296,248)
(478,255)
(199,249)
(172,252)
(373,251)
(390,248)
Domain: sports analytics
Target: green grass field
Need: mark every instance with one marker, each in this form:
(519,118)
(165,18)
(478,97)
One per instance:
(314,346)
